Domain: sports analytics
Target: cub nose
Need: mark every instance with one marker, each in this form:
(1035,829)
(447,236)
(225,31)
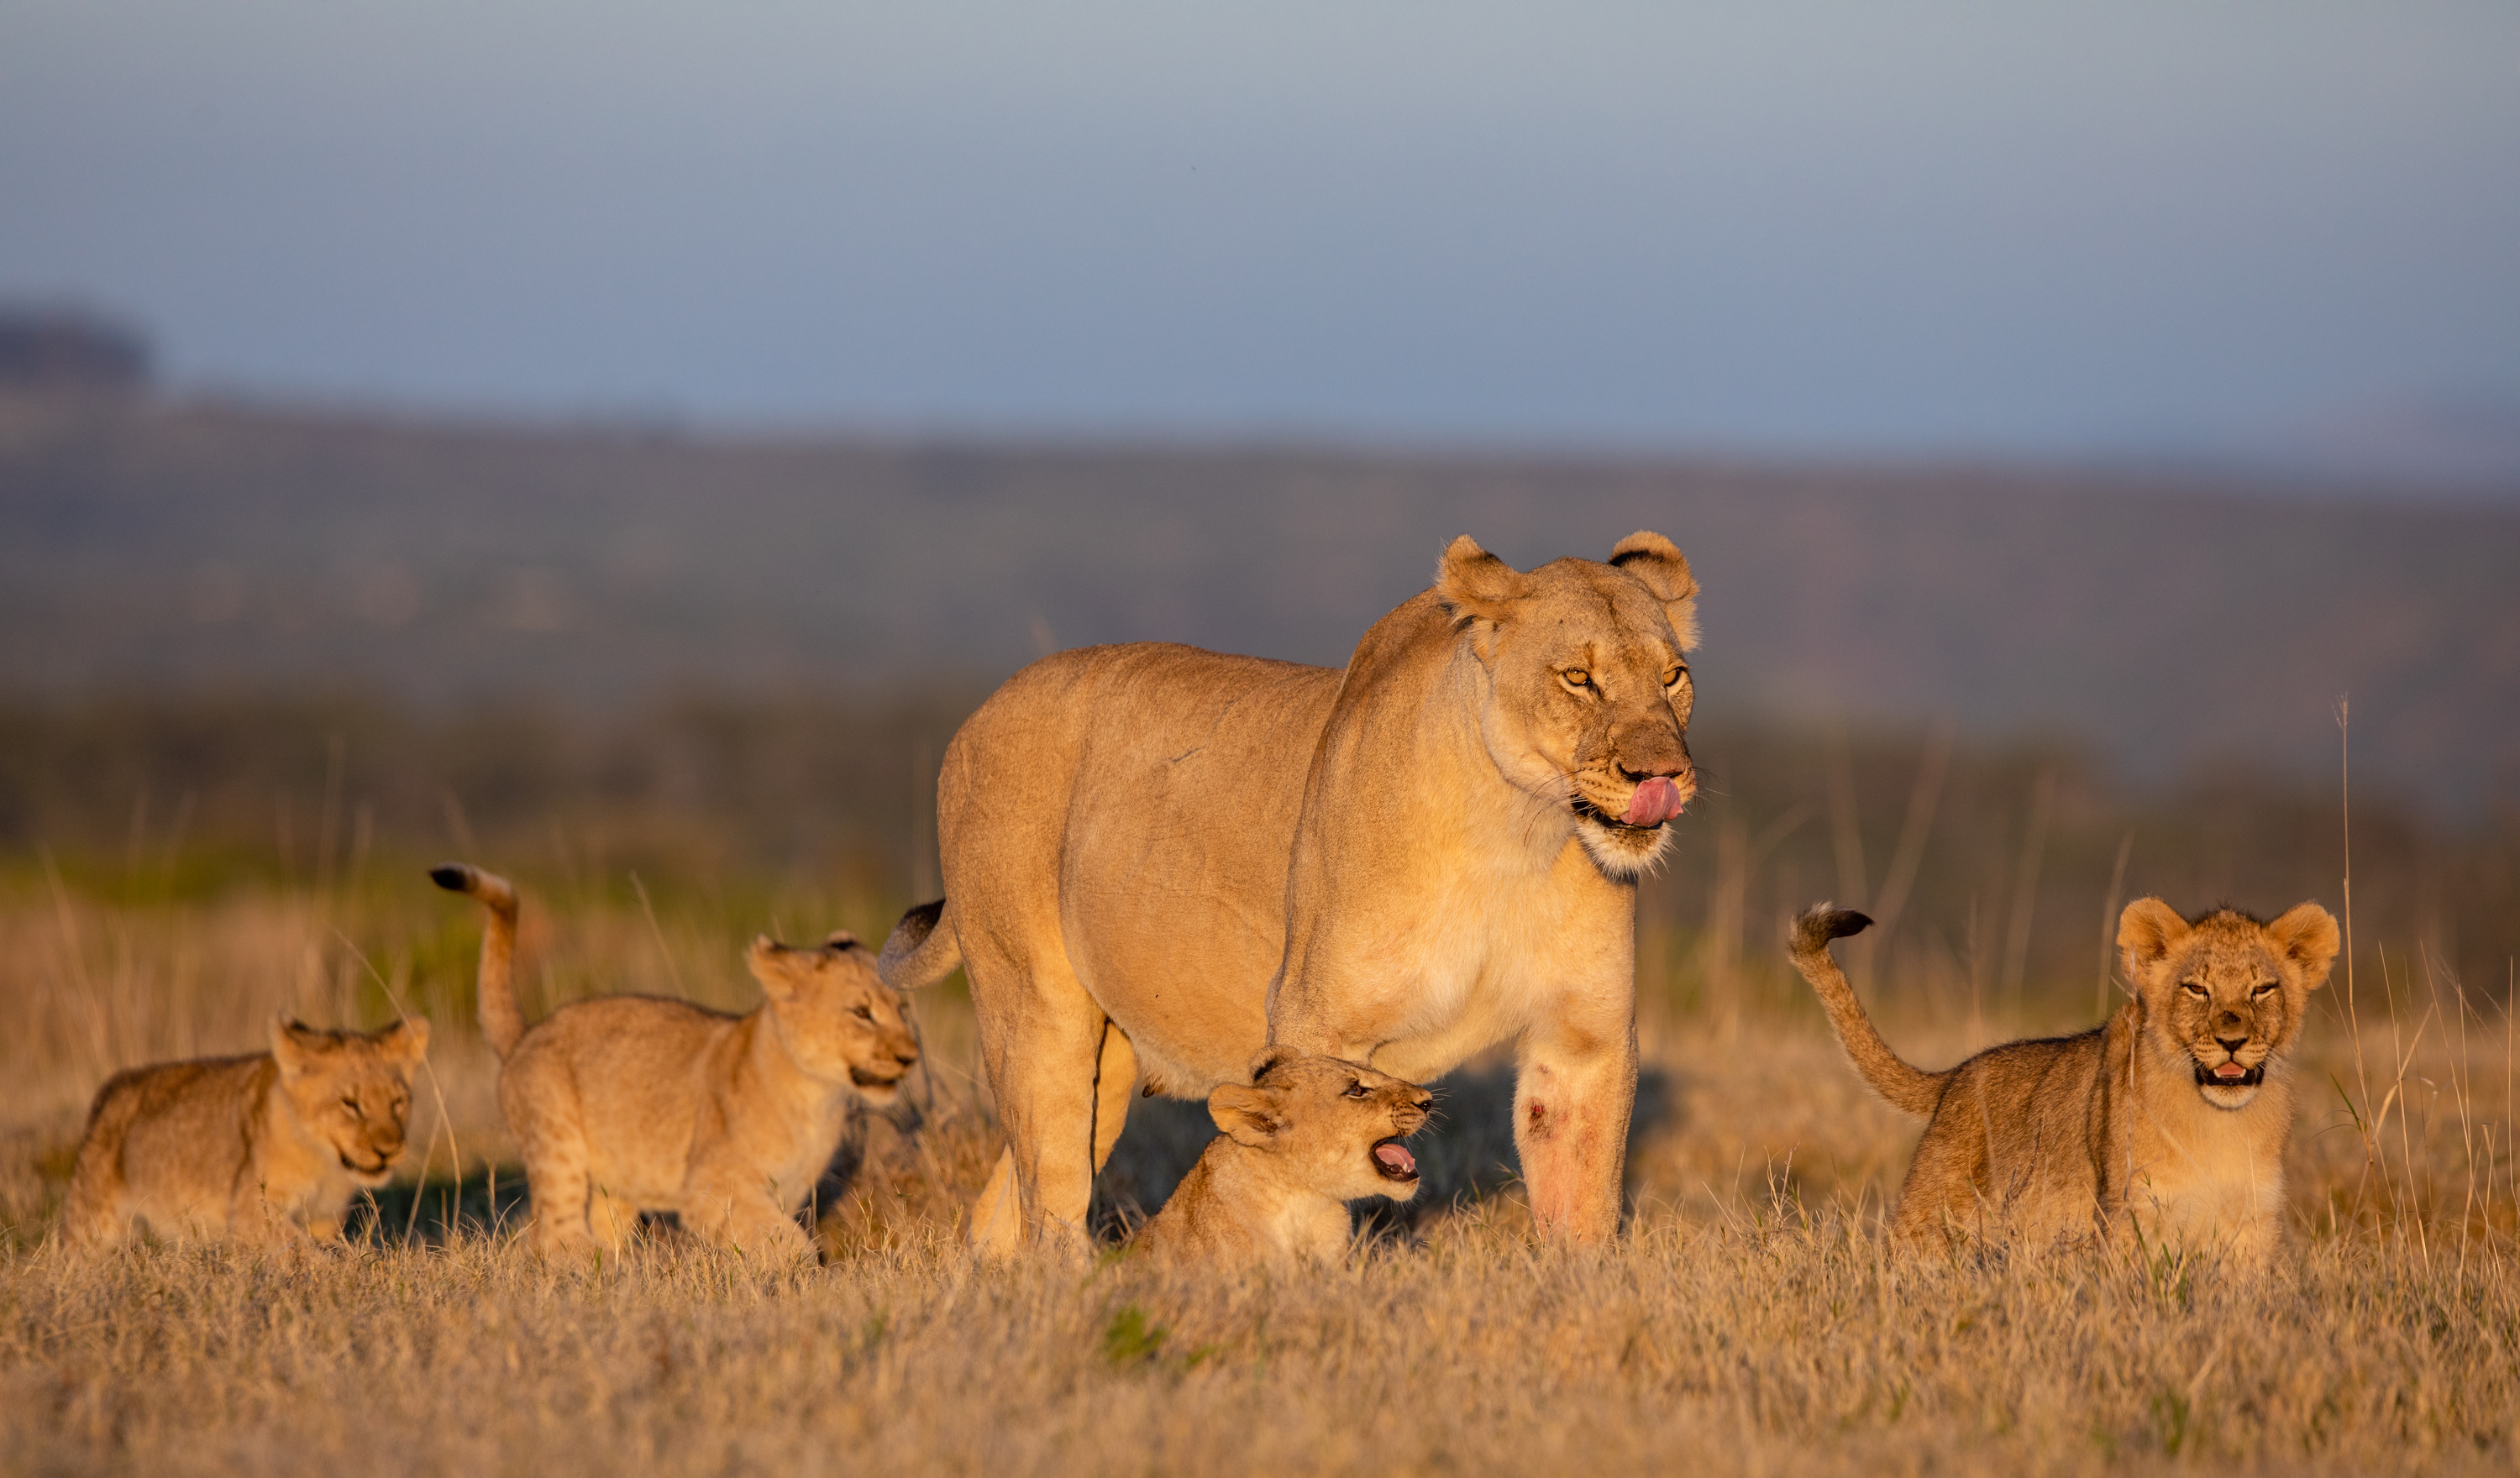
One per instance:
(2232,1044)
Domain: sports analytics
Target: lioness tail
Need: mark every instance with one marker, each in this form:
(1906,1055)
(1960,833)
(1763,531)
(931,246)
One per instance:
(1891,1076)
(920,951)
(503,1021)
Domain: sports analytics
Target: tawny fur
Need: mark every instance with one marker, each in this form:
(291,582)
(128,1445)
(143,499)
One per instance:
(1159,860)
(630,1104)
(1292,1150)
(266,1147)
(2123,1132)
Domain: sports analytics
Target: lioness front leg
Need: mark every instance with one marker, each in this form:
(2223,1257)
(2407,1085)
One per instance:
(1575,1085)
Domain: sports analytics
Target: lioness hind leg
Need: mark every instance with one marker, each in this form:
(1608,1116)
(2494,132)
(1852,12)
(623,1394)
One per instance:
(1042,1038)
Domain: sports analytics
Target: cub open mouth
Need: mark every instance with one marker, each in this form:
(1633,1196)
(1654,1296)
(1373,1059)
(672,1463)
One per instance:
(1393,1162)
(864,1079)
(2217,1077)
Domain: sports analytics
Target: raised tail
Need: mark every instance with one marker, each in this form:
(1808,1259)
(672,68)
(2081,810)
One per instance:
(503,1021)
(920,951)
(1906,1087)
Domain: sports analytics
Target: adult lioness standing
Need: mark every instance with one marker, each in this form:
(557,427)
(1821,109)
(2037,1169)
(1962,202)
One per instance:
(1160,860)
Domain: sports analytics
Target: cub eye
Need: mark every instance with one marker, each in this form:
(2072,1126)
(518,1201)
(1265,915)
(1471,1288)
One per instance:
(863,1012)
(2193,989)
(1355,1090)
(1672,678)
(350,1102)
(2263,990)
(1577,677)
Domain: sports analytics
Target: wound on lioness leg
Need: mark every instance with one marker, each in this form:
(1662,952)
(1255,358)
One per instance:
(1536,1124)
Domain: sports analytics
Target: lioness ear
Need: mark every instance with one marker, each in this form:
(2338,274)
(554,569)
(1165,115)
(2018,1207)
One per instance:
(2148,930)
(407,1039)
(767,958)
(1472,582)
(2306,935)
(1659,565)
(1245,1115)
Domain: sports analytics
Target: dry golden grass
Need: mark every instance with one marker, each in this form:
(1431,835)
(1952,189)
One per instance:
(1749,1322)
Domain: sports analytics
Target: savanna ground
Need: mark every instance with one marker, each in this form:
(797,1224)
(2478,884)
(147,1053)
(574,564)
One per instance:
(1749,1321)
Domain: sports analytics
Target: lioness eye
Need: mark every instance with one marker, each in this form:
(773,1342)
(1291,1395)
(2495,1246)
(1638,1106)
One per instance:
(1577,677)
(1355,1090)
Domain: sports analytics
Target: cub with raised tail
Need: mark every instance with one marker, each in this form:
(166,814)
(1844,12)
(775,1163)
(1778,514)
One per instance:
(266,1147)
(632,1104)
(2166,1123)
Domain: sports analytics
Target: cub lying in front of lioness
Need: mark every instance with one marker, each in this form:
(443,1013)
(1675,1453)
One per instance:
(265,1147)
(1310,1135)
(2167,1122)
(632,1104)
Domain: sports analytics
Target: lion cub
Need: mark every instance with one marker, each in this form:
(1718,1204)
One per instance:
(265,1147)
(2167,1122)
(1310,1135)
(631,1103)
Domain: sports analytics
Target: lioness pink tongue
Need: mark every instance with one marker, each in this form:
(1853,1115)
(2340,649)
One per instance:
(1656,800)
(1393,1158)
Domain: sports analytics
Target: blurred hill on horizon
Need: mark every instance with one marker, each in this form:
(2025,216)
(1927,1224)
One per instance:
(2165,621)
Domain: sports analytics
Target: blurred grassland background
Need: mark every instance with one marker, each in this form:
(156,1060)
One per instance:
(263,668)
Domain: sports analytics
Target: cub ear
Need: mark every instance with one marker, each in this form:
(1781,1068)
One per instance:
(293,1044)
(841,939)
(772,964)
(2147,931)
(2306,935)
(1659,565)
(1245,1115)
(1267,1062)
(406,1041)
(1472,582)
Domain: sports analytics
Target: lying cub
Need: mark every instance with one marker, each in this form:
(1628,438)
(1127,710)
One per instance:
(2167,1122)
(631,1103)
(263,1148)
(1310,1135)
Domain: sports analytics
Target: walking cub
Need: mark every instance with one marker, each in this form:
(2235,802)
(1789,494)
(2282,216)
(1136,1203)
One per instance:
(1310,1135)
(2167,1122)
(265,1147)
(631,1103)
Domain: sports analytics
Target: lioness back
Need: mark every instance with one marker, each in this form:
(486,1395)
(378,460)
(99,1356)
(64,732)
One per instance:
(267,1146)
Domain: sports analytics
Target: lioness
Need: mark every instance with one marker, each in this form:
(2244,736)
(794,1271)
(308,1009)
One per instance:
(631,1103)
(1308,1135)
(1159,860)
(265,1147)
(2168,1123)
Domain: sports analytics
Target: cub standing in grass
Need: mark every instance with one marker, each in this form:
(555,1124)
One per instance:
(265,1147)
(1310,1135)
(2167,1123)
(631,1103)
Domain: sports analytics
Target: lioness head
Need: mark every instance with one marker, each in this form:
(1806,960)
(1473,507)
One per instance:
(836,1016)
(2223,993)
(1590,687)
(351,1089)
(1338,1125)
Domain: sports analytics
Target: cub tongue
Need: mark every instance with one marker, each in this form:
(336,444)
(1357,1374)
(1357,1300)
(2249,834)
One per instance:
(1656,800)
(1393,1158)
(2230,1070)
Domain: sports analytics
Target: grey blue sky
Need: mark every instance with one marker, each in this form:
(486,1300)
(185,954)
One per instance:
(2016,227)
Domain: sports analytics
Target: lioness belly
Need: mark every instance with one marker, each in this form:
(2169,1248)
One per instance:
(1151,791)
